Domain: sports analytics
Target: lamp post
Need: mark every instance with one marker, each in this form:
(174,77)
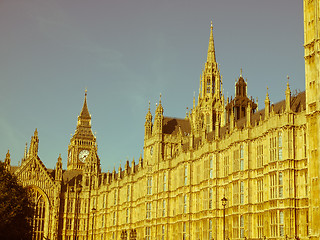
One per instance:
(224,203)
(93,212)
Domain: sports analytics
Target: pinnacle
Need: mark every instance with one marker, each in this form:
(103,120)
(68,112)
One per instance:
(85,112)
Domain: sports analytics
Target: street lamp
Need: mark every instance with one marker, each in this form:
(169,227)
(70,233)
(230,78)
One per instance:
(224,203)
(93,212)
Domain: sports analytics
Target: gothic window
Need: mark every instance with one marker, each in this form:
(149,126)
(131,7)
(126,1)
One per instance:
(235,187)
(127,215)
(274,224)
(241,227)
(184,233)
(273,149)
(210,198)
(236,160)
(260,225)
(259,155)
(281,224)
(280,145)
(226,166)
(208,85)
(235,227)
(241,192)
(210,230)
(148,233)
(241,158)
(39,215)
(115,197)
(211,167)
(148,210)
(104,201)
(128,193)
(185,204)
(164,208)
(273,186)
(280,185)
(149,186)
(185,175)
(114,218)
(164,182)
(163,232)
(260,189)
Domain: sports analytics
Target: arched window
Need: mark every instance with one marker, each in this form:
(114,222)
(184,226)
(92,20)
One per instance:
(39,214)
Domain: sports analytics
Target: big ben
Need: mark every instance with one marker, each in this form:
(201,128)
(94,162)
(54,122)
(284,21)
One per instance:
(82,141)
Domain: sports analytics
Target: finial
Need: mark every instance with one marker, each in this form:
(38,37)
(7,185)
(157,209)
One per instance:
(288,80)
(211,25)
(85,92)
(240,72)
(160,99)
(36,132)
(149,106)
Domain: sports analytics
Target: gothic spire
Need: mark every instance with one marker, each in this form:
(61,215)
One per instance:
(211,57)
(85,112)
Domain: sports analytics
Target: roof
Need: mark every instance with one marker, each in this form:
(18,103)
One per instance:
(171,126)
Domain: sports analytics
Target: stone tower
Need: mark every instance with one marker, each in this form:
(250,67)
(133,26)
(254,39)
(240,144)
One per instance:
(312,78)
(82,141)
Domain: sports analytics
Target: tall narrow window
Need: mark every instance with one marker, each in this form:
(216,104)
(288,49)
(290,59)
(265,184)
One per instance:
(274,224)
(281,224)
(184,234)
(164,182)
(235,227)
(241,158)
(104,201)
(39,215)
(149,186)
(128,193)
(148,233)
(114,218)
(235,189)
(304,145)
(280,145)
(236,160)
(115,197)
(241,227)
(260,225)
(164,208)
(102,221)
(273,185)
(273,149)
(210,230)
(148,210)
(210,198)
(211,167)
(260,190)
(185,204)
(280,185)
(208,85)
(185,175)
(226,166)
(163,232)
(259,155)
(241,192)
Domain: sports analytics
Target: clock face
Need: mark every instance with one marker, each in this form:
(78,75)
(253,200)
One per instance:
(83,155)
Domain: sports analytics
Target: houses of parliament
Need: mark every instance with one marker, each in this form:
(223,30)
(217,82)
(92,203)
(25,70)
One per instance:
(228,170)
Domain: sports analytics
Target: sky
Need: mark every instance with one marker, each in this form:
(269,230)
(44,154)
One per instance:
(127,52)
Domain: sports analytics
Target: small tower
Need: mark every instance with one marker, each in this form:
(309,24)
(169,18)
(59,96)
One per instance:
(33,149)
(148,124)
(267,106)
(158,119)
(7,161)
(288,97)
(58,173)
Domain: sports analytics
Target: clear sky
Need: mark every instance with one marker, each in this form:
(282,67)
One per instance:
(127,52)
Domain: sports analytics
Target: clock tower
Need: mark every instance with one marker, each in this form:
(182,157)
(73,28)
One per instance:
(82,141)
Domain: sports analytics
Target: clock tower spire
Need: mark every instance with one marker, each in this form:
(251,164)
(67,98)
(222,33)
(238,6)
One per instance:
(82,141)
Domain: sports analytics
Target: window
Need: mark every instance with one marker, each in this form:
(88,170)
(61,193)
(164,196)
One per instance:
(128,193)
(280,185)
(273,185)
(281,224)
(185,175)
(208,85)
(69,206)
(127,215)
(236,160)
(260,156)
(102,221)
(260,225)
(185,204)
(235,227)
(148,210)
(241,158)
(39,214)
(149,186)
(260,190)
(241,192)
(210,230)
(273,149)
(241,227)
(184,234)
(210,198)
(163,232)
(211,167)
(164,182)
(85,206)
(235,187)
(148,233)
(69,223)
(226,166)
(164,208)
(304,145)
(104,201)
(280,145)
(115,197)
(274,224)
(114,218)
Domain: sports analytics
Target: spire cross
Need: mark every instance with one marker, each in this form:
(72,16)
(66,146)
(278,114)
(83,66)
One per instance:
(160,99)
(288,80)
(85,92)
(240,72)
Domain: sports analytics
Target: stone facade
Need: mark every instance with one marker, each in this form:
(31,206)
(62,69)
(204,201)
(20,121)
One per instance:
(264,162)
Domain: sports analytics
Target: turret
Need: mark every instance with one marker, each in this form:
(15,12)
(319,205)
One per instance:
(288,97)
(33,150)
(58,173)
(267,106)
(158,119)
(7,161)
(148,124)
